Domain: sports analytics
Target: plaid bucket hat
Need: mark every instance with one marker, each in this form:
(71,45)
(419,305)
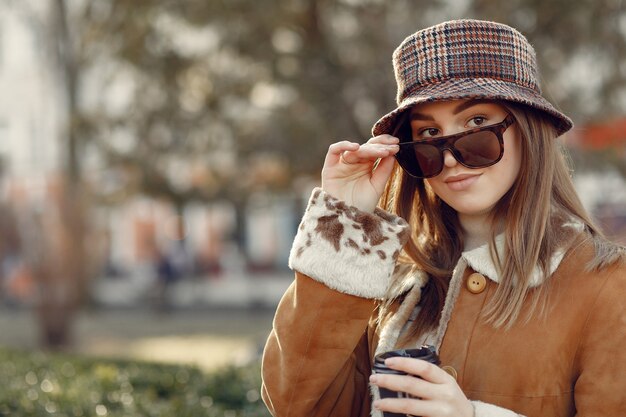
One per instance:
(467,59)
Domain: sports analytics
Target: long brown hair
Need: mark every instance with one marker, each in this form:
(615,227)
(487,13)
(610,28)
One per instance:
(531,236)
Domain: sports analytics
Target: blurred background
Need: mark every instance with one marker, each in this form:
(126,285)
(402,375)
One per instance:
(156,157)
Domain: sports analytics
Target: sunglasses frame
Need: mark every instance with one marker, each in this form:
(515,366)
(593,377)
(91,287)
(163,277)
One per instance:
(448,143)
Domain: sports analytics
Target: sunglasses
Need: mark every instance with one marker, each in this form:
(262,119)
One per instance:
(475,148)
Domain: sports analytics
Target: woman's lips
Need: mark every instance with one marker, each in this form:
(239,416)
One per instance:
(461,182)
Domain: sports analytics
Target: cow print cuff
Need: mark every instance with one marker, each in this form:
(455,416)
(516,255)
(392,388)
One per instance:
(347,249)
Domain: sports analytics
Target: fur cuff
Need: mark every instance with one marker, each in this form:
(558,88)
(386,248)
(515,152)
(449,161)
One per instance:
(346,249)
(489,410)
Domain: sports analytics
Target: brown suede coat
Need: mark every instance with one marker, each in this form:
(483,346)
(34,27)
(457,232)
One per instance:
(319,354)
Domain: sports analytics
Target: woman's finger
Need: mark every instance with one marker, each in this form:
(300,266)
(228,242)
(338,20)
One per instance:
(336,149)
(413,407)
(418,367)
(368,152)
(384,139)
(349,152)
(416,387)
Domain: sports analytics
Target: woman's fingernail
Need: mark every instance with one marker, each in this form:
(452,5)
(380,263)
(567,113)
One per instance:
(373,378)
(376,404)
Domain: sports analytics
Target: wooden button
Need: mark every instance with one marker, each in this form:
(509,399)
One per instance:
(450,370)
(476,283)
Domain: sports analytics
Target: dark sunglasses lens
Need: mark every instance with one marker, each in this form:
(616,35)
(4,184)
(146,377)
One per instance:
(420,160)
(478,149)
(429,159)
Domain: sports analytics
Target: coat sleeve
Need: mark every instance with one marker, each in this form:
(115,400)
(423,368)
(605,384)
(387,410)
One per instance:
(316,360)
(601,356)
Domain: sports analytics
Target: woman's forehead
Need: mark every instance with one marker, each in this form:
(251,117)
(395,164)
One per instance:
(454,106)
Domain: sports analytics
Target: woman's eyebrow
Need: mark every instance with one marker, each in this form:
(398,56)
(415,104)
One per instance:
(458,109)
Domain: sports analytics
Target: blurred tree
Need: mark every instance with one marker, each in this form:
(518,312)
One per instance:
(53,241)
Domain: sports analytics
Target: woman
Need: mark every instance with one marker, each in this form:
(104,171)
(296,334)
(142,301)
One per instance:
(479,247)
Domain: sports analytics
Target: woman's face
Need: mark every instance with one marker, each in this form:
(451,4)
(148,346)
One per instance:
(472,192)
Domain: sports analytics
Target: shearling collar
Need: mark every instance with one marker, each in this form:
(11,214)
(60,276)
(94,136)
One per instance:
(479,259)
(407,276)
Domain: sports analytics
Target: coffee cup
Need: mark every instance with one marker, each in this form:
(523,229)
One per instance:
(425,352)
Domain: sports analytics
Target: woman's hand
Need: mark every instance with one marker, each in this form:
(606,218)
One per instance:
(438,394)
(349,175)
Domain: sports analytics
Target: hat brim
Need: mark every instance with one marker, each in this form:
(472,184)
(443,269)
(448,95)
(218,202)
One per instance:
(464,88)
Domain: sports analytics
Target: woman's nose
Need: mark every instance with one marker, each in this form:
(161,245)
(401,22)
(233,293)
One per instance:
(448,159)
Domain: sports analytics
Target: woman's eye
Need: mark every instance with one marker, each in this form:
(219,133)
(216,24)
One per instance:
(477,121)
(428,133)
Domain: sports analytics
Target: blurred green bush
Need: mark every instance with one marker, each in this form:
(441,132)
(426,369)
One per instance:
(39,384)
